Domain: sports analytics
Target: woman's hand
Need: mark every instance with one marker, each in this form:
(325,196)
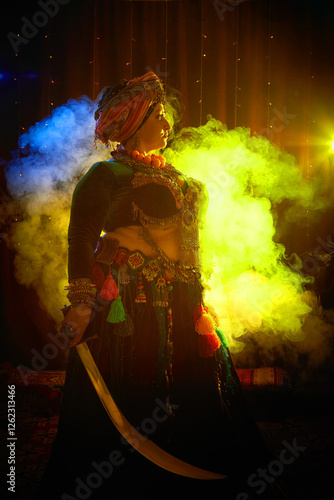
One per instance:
(78,319)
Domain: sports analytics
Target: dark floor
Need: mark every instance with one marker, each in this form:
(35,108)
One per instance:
(298,418)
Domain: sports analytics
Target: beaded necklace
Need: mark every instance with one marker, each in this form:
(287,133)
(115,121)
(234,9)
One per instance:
(153,160)
(157,161)
(147,172)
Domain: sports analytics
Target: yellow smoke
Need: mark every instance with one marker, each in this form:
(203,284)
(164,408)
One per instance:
(254,292)
(259,299)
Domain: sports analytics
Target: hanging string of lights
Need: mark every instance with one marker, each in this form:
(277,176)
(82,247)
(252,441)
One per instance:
(310,78)
(129,63)
(166,43)
(50,72)
(203,55)
(17,101)
(96,38)
(269,103)
(237,60)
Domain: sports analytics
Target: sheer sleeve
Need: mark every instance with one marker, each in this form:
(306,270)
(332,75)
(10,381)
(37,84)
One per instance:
(90,204)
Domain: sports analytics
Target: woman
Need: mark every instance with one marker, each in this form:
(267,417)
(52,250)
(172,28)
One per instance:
(136,292)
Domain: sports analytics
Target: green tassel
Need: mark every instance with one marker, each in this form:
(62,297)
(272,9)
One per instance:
(222,337)
(116,313)
(224,351)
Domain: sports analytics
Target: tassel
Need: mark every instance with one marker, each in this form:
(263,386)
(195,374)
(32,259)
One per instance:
(208,310)
(207,344)
(205,324)
(208,340)
(222,337)
(211,311)
(98,276)
(109,290)
(116,313)
(213,340)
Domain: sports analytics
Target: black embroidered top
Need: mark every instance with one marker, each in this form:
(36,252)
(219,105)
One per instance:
(110,195)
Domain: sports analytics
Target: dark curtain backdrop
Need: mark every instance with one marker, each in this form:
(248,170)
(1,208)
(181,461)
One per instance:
(262,64)
(258,60)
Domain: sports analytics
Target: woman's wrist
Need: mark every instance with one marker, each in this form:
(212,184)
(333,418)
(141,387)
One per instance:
(82,307)
(81,292)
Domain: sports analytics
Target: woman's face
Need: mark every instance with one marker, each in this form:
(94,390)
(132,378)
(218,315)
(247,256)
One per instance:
(153,134)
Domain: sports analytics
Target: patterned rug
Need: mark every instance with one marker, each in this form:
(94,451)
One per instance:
(305,428)
(37,402)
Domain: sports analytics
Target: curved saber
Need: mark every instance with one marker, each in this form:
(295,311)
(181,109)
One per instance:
(143,445)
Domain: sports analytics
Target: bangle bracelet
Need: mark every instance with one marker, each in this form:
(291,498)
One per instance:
(82,301)
(81,291)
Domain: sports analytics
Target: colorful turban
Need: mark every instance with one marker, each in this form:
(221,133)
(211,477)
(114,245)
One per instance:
(123,109)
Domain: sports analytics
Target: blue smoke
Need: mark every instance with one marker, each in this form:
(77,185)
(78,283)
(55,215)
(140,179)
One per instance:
(55,150)
(53,155)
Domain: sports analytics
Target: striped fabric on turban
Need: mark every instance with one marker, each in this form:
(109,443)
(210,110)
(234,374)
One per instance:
(123,109)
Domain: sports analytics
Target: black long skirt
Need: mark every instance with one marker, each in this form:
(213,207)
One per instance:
(197,413)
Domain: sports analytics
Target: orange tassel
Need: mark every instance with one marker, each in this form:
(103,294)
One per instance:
(205,309)
(204,348)
(207,344)
(213,340)
(208,340)
(98,276)
(205,324)
(211,311)
(109,290)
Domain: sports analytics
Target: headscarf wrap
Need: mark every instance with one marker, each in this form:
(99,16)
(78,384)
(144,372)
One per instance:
(123,109)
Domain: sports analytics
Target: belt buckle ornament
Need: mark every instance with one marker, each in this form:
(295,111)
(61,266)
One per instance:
(136,260)
(151,270)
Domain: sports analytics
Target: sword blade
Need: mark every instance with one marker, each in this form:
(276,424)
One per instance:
(143,445)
